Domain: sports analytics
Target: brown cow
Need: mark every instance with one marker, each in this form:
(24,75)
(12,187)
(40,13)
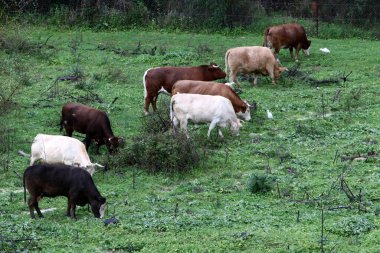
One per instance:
(162,79)
(256,60)
(287,36)
(241,108)
(92,122)
(51,180)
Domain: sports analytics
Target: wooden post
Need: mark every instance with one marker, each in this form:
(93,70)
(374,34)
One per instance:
(317,20)
(322,228)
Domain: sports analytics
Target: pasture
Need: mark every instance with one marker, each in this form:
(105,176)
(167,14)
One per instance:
(319,153)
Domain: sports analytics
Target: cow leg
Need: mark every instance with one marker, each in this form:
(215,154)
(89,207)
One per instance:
(154,103)
(271,73)
(71,206)
(69,131)
(87,141)
(291,52)
(233,75)
(38,210)
(175,124)
(220,132)
(146,107)
(31,207)
(72,211)
(212,126)
(32,160)
(98,146)
(297,51)
(183,126)
(276,51)
(255,76)
(68,208)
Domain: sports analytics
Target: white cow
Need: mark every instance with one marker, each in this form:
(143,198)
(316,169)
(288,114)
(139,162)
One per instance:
(203,109)
(256,60)
(57,149)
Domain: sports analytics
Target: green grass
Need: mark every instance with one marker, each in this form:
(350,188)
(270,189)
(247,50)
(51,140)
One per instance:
(215,211)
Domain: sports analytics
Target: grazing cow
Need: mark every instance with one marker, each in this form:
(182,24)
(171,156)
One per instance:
(51,180)
(202,109)
(92,122)
(256,60)
(57,149)
(241,108)
(287,36)
(163,78)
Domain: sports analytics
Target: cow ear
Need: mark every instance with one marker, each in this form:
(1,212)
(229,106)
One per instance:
(102,200)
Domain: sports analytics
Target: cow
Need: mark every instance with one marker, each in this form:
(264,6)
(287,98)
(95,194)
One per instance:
(52,180)
(162,79)
(287,36)
(241,108)
(92,122)
(254,59)
(198,108)
(57,149)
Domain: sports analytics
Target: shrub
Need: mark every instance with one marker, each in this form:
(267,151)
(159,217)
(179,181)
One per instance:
(157,148)
(162,152)
(260,183)
(354,225)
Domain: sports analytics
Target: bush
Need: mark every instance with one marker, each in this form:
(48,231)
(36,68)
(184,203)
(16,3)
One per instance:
(355,225)
(162,153)
(260,183)
(157,148)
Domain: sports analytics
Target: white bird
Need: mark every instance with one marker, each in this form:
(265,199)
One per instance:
(269,114)
(325,50)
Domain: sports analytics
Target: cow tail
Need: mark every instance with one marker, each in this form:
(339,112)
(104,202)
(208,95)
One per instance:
(23,184)
(266,33)
(226,60)
(171,109)
(61,124)
(144,82)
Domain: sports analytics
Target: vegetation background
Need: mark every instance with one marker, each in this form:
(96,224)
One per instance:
(306,181)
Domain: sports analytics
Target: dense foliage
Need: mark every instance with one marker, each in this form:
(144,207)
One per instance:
(252,15)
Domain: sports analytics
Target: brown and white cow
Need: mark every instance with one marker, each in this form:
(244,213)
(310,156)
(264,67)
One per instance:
(92,122)
(287,36)
(162,79)
(198,108)
(241,108)
(51,180)
(256,60)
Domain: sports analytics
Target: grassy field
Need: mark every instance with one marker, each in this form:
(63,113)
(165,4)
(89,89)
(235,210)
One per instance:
(321,148)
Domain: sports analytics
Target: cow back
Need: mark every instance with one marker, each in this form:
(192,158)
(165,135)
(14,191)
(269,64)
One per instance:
(287,35)
(87,120)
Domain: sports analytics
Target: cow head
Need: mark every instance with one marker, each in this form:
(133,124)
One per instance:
(245,113)
(215,71)
(90,169)
(98,206)
(306,47)
(235,125)
(278,70)
(115,142)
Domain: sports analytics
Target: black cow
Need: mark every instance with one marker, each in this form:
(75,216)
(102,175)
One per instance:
(47,180)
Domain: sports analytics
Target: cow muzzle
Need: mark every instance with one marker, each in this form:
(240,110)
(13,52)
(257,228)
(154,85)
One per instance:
(306,51)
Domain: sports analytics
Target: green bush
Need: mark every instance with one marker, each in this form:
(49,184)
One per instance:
(354,225)
(260,183)
(157,148)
